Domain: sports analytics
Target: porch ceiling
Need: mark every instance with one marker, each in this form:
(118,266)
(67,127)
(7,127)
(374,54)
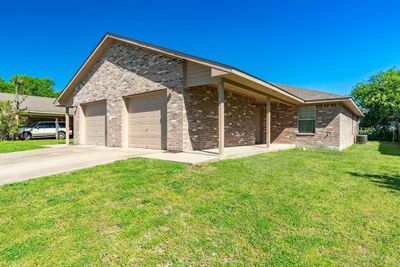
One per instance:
(258,96)
(263,91)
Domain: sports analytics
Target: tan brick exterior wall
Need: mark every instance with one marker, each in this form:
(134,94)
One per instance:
(126,70)
(202,114)
(332,130)
(348,128)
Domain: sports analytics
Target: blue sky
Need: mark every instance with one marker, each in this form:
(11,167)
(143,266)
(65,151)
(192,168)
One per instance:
(326,45)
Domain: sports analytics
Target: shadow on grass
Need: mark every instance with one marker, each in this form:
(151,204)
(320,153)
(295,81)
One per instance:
(386,181)
(389,148)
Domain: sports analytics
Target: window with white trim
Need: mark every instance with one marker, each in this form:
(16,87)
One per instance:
(306,119)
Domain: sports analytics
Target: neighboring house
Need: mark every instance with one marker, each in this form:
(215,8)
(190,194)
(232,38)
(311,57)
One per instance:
(130,93)
(37,108)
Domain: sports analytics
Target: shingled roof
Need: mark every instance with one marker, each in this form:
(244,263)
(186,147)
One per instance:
(35,104)
(309,94)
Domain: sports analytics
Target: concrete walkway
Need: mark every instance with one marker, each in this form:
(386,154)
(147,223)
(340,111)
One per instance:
(209,155)
(24,165)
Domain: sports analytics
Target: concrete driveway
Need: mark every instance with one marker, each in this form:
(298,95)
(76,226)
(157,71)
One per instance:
(24,165)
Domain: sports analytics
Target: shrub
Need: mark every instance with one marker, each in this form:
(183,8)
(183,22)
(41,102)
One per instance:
(8,120)
(377,134)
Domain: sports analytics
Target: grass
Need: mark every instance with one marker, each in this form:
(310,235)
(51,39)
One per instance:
(286,208)
(19,145)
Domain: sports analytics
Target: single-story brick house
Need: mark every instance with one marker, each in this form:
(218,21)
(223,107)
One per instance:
(131,93)
(37,108)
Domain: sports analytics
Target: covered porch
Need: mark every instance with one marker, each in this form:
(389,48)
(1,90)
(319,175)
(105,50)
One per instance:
(228,115)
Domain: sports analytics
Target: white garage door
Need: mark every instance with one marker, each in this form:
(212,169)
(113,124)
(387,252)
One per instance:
(95,124)
(147,120)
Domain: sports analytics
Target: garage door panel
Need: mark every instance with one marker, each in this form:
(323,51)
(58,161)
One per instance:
(153,129)
(96,135)
(95,123)
(96,118)
(97,140)
(139,129)
(94,131)
(137,120)
(147,121)
(153,143)
(139,142)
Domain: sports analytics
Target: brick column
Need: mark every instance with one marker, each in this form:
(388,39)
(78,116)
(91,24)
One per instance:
(175,113)
(78,125)
(114,122)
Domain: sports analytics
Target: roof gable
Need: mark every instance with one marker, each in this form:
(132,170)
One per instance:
(109,38)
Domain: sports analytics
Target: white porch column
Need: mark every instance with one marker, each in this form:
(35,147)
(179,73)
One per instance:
(268,122)
(67,125)
(221,118)
(57,128)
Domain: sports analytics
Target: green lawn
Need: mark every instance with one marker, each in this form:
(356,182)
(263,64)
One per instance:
(19,145)
(286,208)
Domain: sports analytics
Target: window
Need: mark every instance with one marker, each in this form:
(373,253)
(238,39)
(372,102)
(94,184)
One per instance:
(46,125)
(40,126)
(306,119)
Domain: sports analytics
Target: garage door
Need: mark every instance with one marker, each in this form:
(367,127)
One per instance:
(95,123)
(147,120)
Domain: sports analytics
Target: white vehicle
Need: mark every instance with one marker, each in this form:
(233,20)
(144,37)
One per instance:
(43,129)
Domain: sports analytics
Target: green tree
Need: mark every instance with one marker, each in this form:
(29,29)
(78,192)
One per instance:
(5,87)
(379,97)
(8,120)
(29,86)
(35,86)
